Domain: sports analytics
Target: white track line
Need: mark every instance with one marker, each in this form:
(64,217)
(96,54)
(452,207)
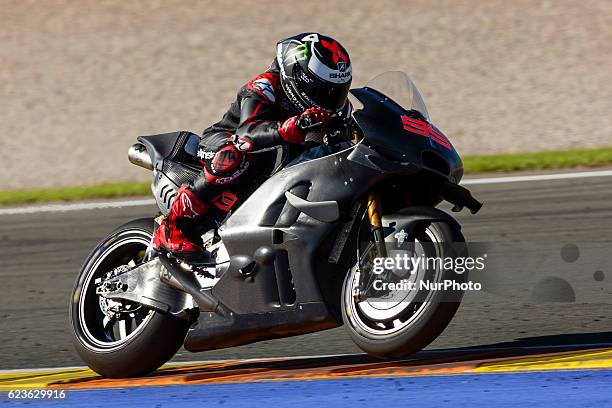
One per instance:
(136,203)
(537,177)
(75,207)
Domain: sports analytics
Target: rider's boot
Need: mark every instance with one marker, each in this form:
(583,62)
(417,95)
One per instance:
(186,207)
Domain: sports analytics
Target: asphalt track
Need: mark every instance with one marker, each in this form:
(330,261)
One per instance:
(40,254)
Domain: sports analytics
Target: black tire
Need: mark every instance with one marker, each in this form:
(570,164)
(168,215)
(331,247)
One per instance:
(417,335)
(150,344)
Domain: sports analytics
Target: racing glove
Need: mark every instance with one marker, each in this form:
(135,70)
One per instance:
(294,129)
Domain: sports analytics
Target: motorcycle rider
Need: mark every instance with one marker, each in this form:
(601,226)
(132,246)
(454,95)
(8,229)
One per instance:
(305,87)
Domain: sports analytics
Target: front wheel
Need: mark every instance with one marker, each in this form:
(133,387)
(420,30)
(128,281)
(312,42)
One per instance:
(130,340)
(397,323)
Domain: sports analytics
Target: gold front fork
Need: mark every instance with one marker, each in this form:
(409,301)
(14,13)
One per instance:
(374,210)
(375,217)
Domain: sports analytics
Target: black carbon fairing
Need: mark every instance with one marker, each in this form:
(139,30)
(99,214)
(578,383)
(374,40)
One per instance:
(405,136)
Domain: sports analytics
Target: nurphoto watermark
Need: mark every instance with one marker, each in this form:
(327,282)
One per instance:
(412,272)
(509,271)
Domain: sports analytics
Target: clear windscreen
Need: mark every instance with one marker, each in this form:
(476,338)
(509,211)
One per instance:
(397,86)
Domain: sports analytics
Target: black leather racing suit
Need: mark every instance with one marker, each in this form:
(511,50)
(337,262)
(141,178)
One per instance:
(251,126)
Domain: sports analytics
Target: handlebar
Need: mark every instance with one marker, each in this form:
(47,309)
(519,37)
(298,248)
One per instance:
(325,133)
(460,197)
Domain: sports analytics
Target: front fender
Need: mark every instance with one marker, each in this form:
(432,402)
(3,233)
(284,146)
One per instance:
(408,219)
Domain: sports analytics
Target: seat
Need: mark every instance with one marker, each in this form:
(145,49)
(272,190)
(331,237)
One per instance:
(179,147)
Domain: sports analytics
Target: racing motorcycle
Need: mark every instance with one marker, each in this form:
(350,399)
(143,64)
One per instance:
(296,256)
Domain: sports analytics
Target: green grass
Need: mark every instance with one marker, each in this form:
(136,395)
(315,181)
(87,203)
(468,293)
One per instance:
(106,190)
(562,159)
(473,164)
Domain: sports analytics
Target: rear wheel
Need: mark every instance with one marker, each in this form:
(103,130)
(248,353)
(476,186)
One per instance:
(120,338)
(397,323)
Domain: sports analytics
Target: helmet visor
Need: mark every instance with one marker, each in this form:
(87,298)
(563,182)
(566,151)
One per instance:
(324,94)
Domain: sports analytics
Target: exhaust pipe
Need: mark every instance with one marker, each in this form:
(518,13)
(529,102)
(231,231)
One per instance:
(189,284)
(138,155)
